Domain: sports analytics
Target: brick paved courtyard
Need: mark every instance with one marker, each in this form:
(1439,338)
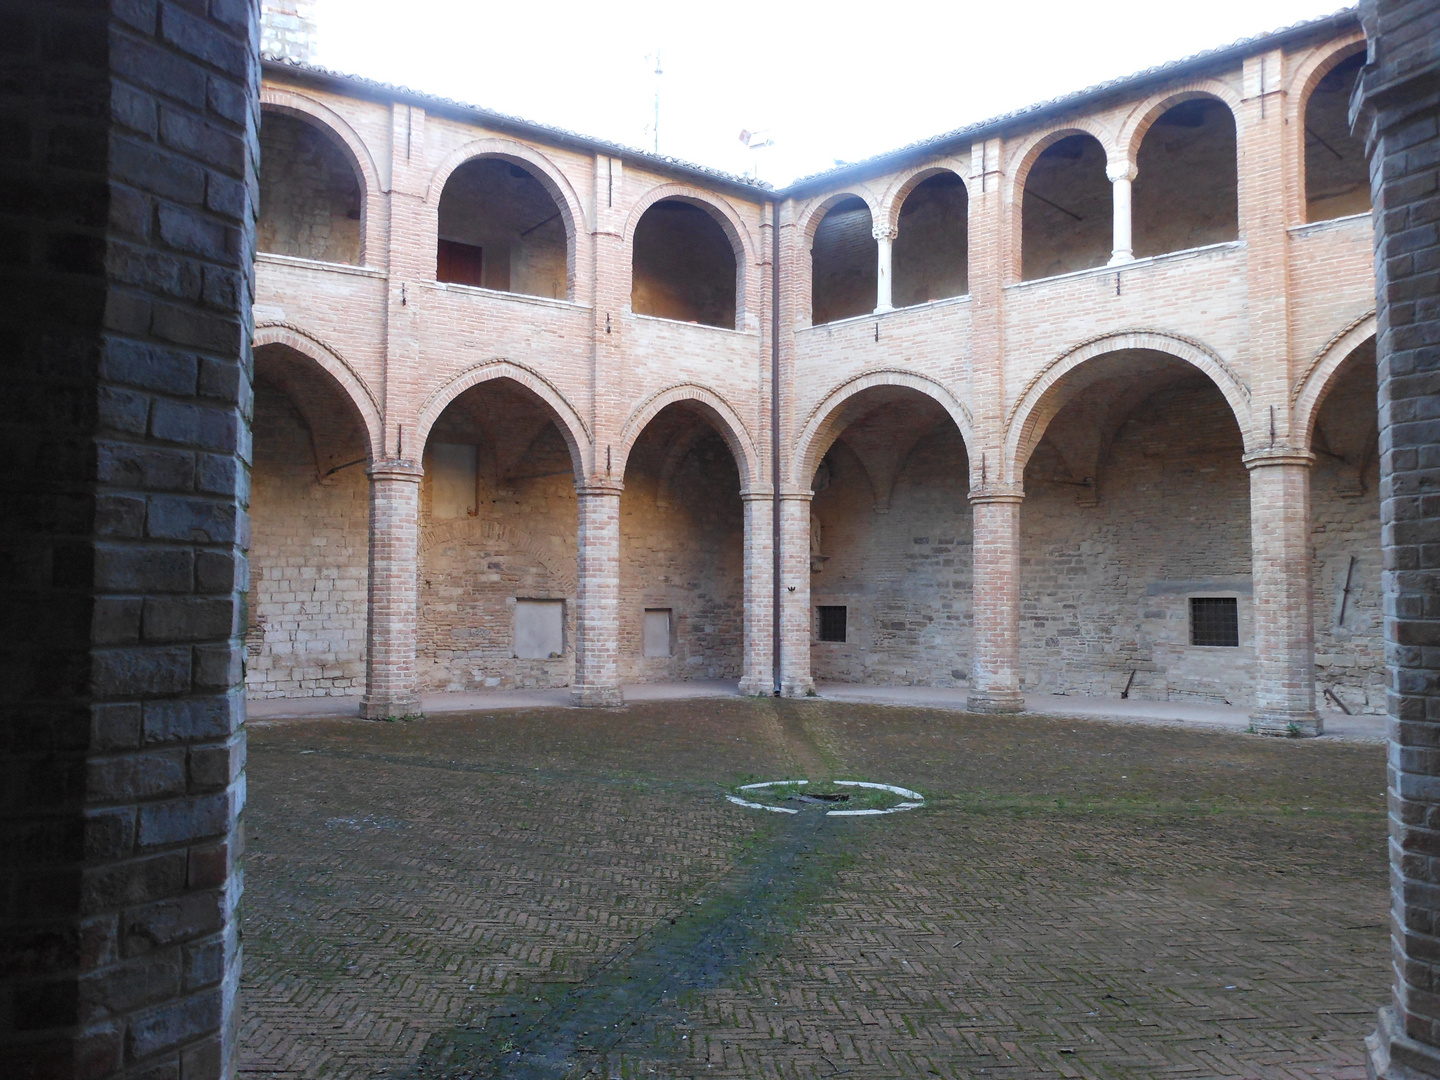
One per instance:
(561,892)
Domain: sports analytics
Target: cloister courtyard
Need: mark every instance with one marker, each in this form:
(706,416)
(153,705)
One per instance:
(558,892)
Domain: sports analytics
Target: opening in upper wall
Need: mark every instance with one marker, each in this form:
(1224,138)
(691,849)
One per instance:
(1067,213)
(501,229)
(1337,177)
(1186,181)
(931,258)
(311,200)
(844,263)
(683,266)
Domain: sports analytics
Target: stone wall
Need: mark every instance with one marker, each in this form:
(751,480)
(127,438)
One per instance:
(684,266)
(308,563)
(310,203)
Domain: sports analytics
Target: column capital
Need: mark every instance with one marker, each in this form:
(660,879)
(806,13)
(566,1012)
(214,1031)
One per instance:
(1273,456)
(757,495)
(796,496)
(997,493)
(402,469)
(1120,170)
(600,488)
(883,233)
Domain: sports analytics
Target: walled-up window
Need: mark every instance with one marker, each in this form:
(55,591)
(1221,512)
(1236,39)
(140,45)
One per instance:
(1337,179)
(1184,193)
(501,229)
(844,263)
(930,260)
(683,266)
(310,196)
(1067,211)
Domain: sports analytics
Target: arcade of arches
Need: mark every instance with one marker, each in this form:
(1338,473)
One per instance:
(541,542)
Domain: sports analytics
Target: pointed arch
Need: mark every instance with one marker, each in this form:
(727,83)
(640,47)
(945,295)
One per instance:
(717,411)
(329,360)
(1035,408)
(1310,390)
(829,418)
(572,427)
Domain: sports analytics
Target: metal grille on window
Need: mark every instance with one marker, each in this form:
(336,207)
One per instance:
(1215,620)
(832,623)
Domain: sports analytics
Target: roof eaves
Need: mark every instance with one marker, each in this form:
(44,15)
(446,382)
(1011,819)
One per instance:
(1067,103)
(755,189)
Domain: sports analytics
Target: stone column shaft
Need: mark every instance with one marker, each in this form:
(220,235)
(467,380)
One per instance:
(885,245)
(1122,176)
(390,684)
(757,675)
(597,609)
(995,646)
(796,617)
(1280,569)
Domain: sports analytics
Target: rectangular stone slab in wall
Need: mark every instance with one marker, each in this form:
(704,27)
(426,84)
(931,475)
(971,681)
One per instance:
(539,629)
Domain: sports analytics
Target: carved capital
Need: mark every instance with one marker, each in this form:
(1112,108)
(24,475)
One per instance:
(883,234)
(1121,170)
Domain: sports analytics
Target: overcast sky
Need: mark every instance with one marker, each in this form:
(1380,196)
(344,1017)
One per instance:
(827,83)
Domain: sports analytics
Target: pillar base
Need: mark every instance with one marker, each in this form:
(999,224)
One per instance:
(994,701)
(797,688)
(1392,1055)
(757,687)
(1294,725)
(389,708)
(596,697)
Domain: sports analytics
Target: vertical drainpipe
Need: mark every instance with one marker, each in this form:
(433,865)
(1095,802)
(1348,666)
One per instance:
(775,432)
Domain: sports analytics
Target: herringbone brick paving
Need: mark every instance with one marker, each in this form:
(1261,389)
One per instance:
(1074,900)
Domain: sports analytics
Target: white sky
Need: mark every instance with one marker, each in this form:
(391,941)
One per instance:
(851,81)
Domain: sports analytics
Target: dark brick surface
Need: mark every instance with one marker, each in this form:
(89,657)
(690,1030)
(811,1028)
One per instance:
(1074,900)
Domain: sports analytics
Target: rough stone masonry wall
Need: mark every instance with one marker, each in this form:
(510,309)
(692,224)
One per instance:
(903,576)
(129,155)
(1105,588)
(309,195)
(686,555)
(308,564)
(520,544)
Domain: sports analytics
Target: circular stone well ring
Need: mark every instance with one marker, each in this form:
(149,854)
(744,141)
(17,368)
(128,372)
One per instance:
(913,799)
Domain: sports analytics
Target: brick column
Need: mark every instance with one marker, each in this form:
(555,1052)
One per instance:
(757,676)
(1122,176)
(597,609)
(796,617)
(1398,107)
(1280,570)
(390,685)
(885,246)
(995,592)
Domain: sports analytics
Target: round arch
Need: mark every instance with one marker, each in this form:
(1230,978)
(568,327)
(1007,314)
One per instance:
(544,170)
(333,364)
(809,219)
(893,200)
(1139,122)
(1314,68)
(718,208)
(367,174)
(716,410)
(572,428)
(1310,391)
(1035,408)
(827,419)
(1025,155)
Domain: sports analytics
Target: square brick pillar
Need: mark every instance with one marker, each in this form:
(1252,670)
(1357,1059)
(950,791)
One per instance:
(1397,109)
(1280,570)
(390,682)
(597,608)
(758,673)
(995,649)
(796,617)
(129,158)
